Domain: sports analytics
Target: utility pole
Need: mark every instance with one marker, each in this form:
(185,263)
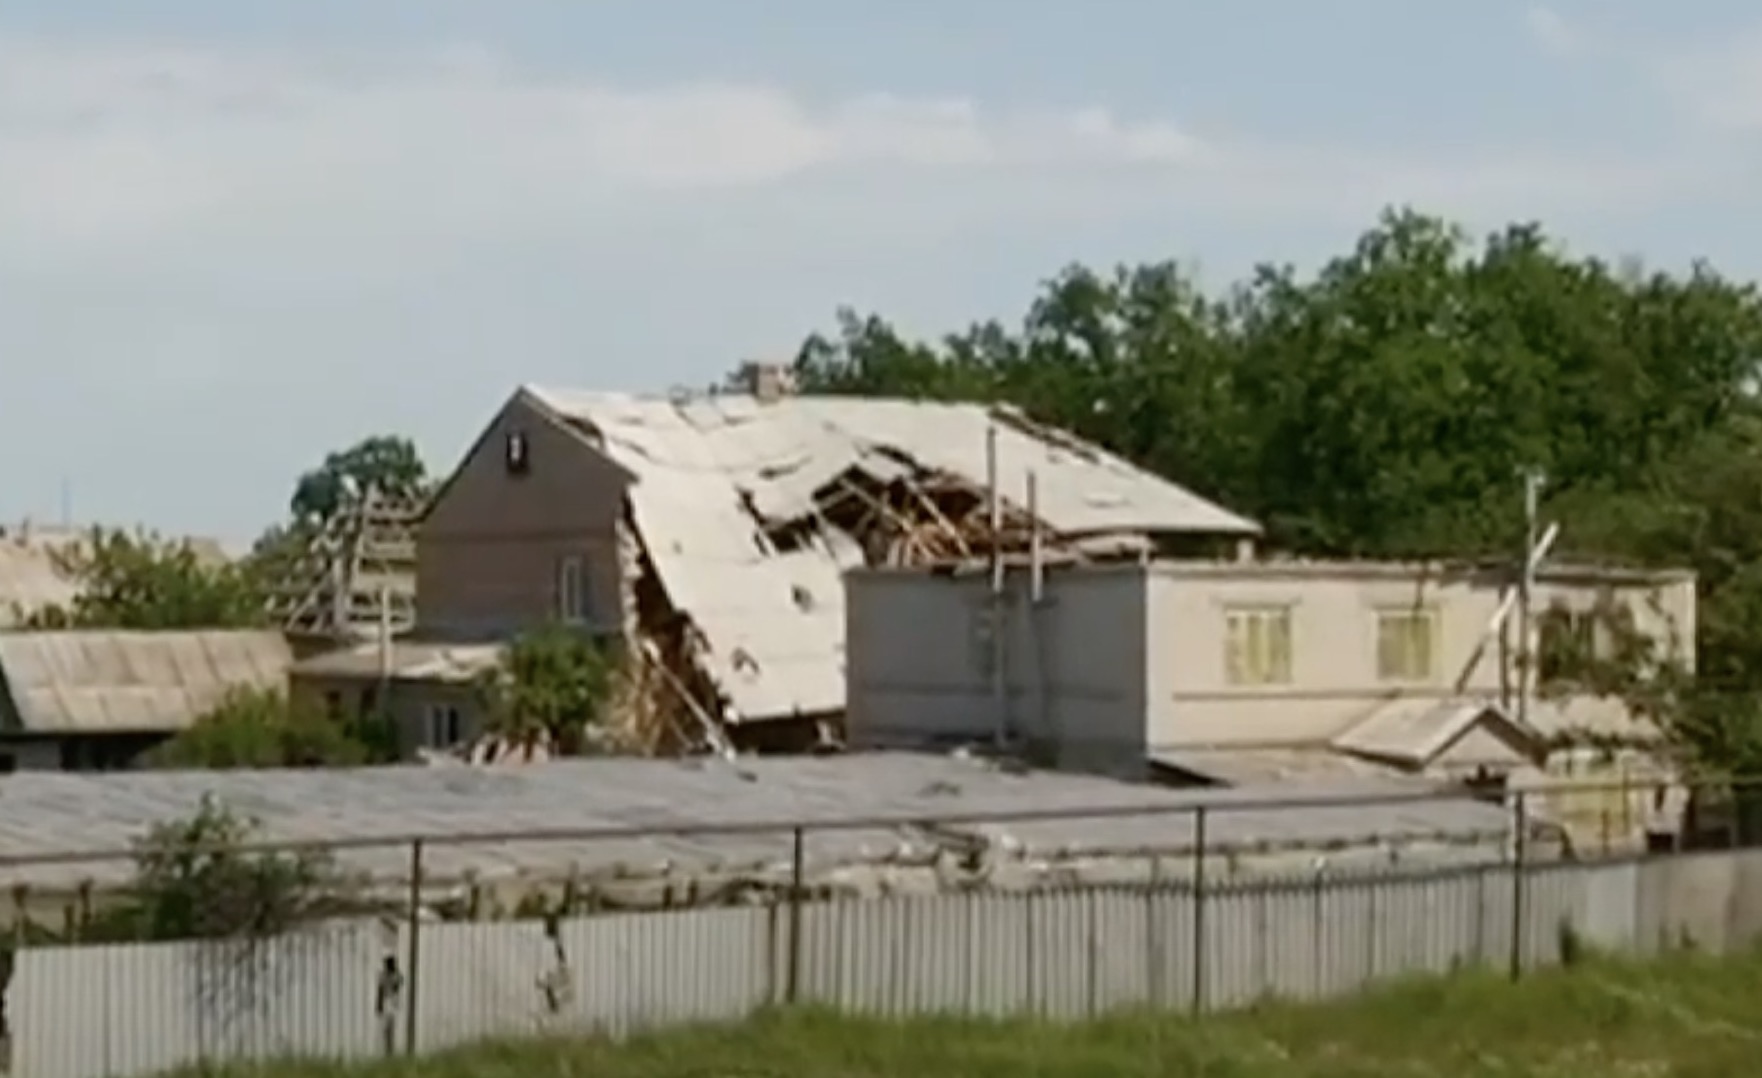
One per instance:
(1533,481)
(999,676)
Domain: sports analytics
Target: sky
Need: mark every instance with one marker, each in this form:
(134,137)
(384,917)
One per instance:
(235,236)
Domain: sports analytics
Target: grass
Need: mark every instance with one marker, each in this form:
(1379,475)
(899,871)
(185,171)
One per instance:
(1687,1016)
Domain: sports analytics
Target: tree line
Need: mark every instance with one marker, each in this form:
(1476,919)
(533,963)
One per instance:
(1385,405)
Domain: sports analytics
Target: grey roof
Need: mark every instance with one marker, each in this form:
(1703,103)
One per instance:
(1412,732)
(30,579)
(33,559)
(45,813)
(774,621)
(1251,765)
(106,681)
(412,660)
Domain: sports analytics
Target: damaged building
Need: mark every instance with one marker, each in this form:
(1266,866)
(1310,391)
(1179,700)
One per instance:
(711,532)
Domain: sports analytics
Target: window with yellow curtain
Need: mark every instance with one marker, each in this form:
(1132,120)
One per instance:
(1407,644)
(1257,645)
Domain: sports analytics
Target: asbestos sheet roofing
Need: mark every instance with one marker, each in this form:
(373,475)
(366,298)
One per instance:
(47,813)
(30,580)
(711,470)
(1412,732)
(782,450)
(409,660)
(1266,765)
(99,681)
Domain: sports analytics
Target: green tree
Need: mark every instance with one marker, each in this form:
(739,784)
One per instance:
(1383,405)
(389,464)
(200,878)
(143,582)
(553,687)
(264,728)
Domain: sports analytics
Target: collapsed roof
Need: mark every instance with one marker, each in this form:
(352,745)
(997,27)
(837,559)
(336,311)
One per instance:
(749,511)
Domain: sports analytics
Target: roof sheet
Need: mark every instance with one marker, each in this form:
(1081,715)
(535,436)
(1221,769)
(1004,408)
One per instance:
(775,623)
(103,681)
(1412,731)
(410,659)
(30,580)
(49,812)
(1271,765)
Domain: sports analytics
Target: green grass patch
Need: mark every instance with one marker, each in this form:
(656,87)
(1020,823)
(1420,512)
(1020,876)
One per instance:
(1688,1016)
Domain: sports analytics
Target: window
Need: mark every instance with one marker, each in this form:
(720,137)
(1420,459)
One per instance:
(518,455)
(1407,645)
(1257,645)
(574,596)
(444,726)
(1566,639)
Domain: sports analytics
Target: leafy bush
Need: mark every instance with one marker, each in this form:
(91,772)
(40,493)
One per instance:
(264,728)
(200,878)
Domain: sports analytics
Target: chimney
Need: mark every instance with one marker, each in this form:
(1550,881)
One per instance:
(767,382)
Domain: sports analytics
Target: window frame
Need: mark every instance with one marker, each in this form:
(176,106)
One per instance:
(574,595)
(1259,645)
(445,720)
(1403,673)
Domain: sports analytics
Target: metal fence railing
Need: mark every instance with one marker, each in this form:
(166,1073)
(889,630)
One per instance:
(188,950)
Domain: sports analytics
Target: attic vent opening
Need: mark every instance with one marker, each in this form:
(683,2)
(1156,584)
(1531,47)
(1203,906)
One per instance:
(517,456)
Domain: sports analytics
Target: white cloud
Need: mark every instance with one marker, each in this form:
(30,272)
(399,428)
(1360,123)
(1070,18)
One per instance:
(115,143)
(1550,30)
(1717,83)
(1712,80)
(112,148)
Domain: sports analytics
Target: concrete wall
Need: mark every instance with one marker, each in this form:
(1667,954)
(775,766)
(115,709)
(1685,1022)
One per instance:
(407,703)
(1136,656)
(488,553)
(33,754)
(1334,611)
(919,662)
(137,1009)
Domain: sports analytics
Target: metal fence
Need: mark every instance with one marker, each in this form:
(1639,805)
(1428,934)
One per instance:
(431,960)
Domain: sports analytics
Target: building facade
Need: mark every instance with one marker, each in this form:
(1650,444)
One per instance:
(1226,672)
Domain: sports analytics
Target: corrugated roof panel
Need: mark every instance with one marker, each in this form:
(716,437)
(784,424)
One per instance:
(1412,731)
(1253,765)
(29,581)
(49,812)
(93,681)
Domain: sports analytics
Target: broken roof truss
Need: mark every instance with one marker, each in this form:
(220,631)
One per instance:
(747,513)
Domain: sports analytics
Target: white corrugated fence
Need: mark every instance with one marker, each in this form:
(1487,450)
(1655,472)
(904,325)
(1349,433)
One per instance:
(124,1010)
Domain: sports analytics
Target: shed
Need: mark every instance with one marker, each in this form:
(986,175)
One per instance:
(80,699)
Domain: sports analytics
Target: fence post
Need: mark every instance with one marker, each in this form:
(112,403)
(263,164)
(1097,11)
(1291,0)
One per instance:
(1199,903)
(413,961)
(797,858)
(1519,885)
(1153,934)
